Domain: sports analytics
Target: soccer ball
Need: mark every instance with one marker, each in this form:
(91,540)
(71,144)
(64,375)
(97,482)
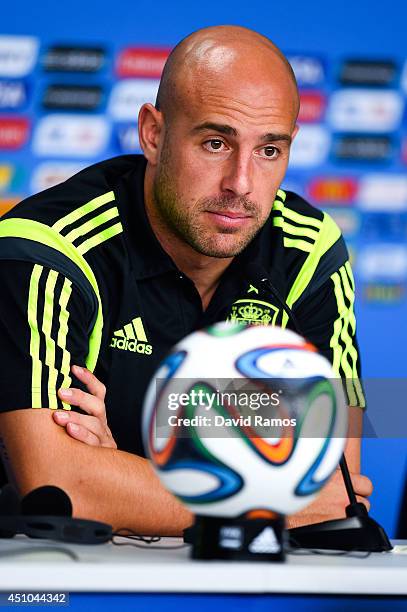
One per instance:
(240,419)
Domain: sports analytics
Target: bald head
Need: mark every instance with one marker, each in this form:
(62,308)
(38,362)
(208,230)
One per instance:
(223,53)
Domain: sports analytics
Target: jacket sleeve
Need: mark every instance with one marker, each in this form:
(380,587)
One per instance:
(327,319)
(44,329)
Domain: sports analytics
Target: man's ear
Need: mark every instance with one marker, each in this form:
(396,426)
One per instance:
(150,128)
(295,132)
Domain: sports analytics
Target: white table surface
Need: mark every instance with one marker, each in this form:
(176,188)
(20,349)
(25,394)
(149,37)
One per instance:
(110,568)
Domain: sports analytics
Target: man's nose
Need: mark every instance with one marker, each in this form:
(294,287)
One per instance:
(237,176)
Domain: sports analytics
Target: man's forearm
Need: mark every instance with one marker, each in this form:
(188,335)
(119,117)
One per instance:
(123,490)
(104,484)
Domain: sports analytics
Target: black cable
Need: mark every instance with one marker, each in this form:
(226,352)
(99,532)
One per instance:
(130,533)
(146,545)
(142,541)
(301,550)
(355,554)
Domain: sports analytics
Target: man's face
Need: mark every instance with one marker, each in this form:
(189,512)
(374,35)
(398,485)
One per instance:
(222,160)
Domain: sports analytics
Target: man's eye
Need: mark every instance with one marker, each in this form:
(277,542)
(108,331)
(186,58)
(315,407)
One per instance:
(214,144)
(270,151)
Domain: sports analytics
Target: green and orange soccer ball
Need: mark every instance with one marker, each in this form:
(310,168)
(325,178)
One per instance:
(273,451)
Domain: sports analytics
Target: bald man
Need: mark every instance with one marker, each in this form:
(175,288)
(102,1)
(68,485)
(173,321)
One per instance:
(108,270)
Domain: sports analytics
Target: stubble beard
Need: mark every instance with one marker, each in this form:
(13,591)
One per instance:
(185,223)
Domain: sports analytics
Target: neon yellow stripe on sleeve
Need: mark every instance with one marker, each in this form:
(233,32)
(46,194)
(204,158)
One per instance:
(344,336)
(62,335)
(83,210)
(295,216)
(36,374)
(288,228)
(350,274)
(338,324)
(49,341)
(350,295)
(302,245)
(99,238)
(92,224)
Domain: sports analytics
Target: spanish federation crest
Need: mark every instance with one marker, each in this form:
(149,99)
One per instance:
(253,312)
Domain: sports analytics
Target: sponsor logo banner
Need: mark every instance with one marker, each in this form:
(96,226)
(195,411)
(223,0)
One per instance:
(310,147)
(312,106)
(386,293)
(126,137)
(128,96)
(13,95)
(333,190)
(383,192)
(383,262)
(308,70)
(347,220)
(74,59)
(18,55)
(143,62)
(363,148)
(72,97)
(13,132)
(11,177)
(368,72)
(49,174)
(365,110)
(71,135)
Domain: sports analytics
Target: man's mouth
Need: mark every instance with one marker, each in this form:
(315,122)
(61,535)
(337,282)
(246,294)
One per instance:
(229,218)
(233,214)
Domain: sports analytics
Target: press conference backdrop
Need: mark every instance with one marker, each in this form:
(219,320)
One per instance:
(73,77)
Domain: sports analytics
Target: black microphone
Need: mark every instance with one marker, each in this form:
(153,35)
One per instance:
(47,500)
(355,508)
(46,512)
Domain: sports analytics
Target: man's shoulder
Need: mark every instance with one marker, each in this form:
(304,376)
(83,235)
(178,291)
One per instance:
(98,181)
(77,227)
(292,202)
(301,243)
(300,220)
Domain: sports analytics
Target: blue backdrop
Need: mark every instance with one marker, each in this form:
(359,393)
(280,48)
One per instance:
(354,133)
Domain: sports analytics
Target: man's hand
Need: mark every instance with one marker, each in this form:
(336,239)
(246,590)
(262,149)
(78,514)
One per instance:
(91,428)
(332,501)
